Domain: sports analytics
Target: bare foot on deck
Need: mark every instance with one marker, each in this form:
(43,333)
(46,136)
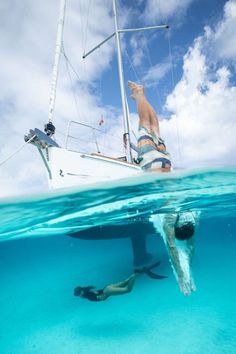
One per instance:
(137,90)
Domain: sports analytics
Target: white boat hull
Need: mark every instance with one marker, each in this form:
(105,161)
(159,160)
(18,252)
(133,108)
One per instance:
(70,168)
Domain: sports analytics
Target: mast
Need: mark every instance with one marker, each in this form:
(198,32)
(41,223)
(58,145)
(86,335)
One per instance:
(122,88)
(57,56)
(121,75)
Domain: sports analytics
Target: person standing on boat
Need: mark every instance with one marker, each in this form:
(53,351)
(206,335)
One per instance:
(152,152)
(176,229)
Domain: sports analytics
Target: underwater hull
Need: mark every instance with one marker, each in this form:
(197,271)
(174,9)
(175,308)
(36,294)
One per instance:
(136,232)
(107,232)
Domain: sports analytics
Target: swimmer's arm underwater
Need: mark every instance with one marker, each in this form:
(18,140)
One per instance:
(190,248)
(169,230)
(191,240)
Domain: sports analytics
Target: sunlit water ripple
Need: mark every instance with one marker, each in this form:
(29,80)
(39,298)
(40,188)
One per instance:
(213,192)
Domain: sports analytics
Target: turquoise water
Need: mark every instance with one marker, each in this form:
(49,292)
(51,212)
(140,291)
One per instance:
(40,264)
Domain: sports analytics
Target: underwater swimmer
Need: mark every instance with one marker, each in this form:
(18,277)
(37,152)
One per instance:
(121,288)
(177,231)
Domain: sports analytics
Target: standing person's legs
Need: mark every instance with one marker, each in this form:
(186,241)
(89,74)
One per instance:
(154,123)
(142,105)
(152,154)
(147,116)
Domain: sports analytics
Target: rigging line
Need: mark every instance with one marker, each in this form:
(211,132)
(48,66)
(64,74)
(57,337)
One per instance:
(86,80)
(85,76)
(100,87)
(163,18)
(159,97)
(103,145)
(100,94)
(135,135)
(173,85)
(86,27)
(107,149)
(100,82)
(58,131)
(96,141)
(104,136)
(110,135)
(18,150)
(127,107)
(155,83)
(81,22)
(171,60)
(74,95)
(69,62)
(172,76)
(132,66)
(137,78)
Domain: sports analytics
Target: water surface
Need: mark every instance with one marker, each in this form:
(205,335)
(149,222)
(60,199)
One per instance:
(40,264)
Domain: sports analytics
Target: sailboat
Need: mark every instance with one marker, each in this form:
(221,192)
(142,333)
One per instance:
(65,167)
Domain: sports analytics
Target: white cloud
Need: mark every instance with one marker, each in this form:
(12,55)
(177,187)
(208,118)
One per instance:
(138,44)
(222,40)
(203,111)
(156,73)
(162,9)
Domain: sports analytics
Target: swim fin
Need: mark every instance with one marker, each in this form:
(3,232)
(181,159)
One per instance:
(148,271)
(154,265)
(154,275)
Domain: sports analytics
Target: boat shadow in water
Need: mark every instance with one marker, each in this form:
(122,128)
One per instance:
(137,232)
(110,330)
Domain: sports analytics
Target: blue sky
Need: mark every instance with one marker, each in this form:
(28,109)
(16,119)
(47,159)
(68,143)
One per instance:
(194,93)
